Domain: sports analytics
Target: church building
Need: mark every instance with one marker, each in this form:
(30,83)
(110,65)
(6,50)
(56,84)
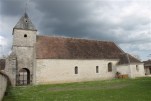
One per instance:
(37,59)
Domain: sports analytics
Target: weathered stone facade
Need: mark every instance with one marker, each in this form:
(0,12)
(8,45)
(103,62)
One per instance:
(11,68)
(24,48)
(2,64)
(3,84)
(23,51)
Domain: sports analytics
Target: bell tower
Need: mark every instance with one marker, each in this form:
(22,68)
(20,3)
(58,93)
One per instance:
(24,40)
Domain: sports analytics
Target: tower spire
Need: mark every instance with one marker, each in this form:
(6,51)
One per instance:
(25,23)
(26,6)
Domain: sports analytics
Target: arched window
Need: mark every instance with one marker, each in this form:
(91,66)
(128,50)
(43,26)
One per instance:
(97,69)
(25,35)
(110,67)
(76,70)
(137,68)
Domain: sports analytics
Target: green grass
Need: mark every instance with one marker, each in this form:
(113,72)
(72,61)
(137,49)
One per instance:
(109,90)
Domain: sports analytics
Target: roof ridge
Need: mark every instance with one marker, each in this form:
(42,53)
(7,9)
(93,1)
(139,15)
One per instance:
(65,37)
(127,55)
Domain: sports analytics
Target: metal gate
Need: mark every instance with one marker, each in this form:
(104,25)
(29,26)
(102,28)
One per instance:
(23,78)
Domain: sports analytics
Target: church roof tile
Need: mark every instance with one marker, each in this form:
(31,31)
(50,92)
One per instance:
(71,48)
(126,58)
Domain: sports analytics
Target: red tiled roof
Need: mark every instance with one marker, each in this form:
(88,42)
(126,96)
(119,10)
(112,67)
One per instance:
(133,59)
(69,48)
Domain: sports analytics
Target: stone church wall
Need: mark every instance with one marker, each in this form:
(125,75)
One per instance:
(24,48)
(137,71)
(3,85)
(10,68)
(63,70)
(132,70)
(147,71)
(124,69)
(19,38)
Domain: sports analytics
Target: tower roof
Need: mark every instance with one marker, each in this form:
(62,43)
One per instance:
(25,23)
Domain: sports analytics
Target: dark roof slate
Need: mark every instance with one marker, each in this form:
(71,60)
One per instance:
(25,23)
(126,58)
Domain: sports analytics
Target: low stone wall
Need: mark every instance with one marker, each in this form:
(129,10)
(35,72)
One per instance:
(3,84)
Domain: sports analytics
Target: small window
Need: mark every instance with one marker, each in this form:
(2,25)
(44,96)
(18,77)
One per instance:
(26,20)
(97,69)
(25,35)
(110,67)
(76,70)
(137,68)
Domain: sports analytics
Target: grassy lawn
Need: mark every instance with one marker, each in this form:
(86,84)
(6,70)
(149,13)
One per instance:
(109,90)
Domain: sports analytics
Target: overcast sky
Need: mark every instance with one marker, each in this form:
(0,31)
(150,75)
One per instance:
(126,22)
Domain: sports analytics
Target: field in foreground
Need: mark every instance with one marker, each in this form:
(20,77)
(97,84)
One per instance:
(109,90)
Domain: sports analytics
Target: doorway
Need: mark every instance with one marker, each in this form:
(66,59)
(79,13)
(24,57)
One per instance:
(24,77)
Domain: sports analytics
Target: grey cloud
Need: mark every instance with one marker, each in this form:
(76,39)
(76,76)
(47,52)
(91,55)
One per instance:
(65,18)
(68,15)
(121,21)
(12,7)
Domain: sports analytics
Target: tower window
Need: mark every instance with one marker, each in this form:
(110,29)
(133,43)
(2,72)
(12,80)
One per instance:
(76,70)
(25,35)
(26,20)
(97,69)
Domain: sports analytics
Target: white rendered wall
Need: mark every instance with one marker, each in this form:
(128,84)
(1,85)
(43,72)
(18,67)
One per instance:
(147,71)
(123,69)
(131,70)
(62,70)
(140,72)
